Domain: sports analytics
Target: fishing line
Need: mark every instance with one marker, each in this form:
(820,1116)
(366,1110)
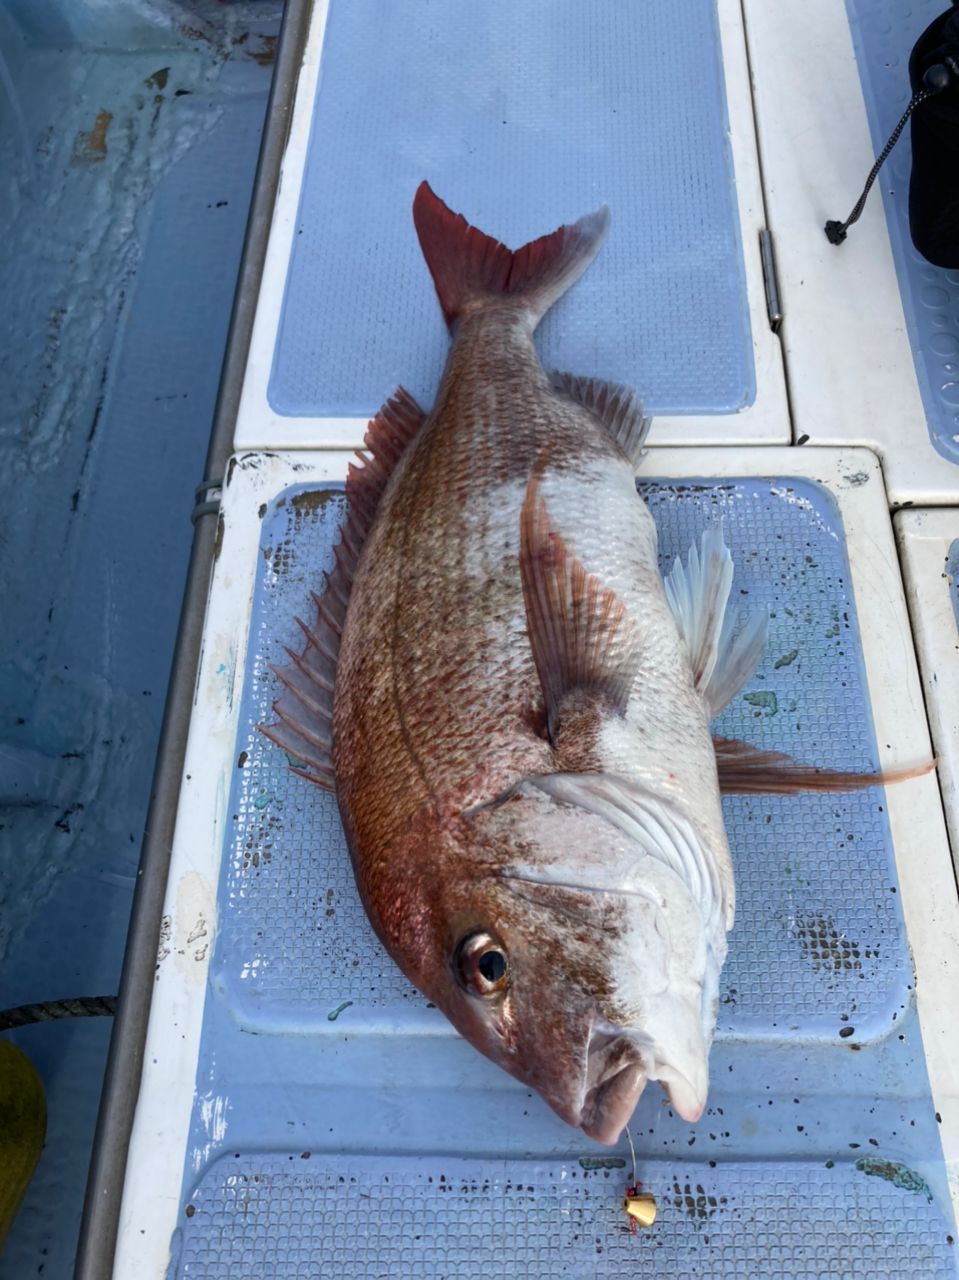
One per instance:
(632,1152)
(638,1205)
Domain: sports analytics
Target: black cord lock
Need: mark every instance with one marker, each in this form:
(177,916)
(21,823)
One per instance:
(936,78)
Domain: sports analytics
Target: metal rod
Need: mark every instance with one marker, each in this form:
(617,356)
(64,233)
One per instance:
(121,1085)
(774,306)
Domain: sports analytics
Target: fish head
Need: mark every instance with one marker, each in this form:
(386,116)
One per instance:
(577,961)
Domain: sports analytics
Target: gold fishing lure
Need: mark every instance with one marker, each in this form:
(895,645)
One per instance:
(640,1207)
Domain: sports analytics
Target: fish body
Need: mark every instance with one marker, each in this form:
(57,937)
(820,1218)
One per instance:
(513,706)
(440,710)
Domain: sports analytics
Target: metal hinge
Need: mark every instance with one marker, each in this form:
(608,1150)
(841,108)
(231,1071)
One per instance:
(774,306)
(207,499)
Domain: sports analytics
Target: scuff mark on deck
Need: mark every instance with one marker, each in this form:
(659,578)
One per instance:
(764,699)
(894,1171)
(90,146)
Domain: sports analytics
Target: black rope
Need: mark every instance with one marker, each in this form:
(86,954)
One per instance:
(51,1010)
(836,231)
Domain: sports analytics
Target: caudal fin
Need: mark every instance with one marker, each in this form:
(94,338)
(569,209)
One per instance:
(468,266)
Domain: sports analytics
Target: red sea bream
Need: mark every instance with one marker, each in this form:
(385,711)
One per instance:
(513,706)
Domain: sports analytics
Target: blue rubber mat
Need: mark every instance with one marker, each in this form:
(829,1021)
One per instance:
(952,569)
(348,1124)
(521,116)
(884,32)
(373,1218)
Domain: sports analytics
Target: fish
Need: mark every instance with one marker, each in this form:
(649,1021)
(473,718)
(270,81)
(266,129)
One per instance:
(513,705)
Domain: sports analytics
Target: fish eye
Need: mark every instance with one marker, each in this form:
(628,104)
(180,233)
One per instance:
(481,964)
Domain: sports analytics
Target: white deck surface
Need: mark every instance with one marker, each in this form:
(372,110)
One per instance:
(925,539)
(928,893)
(852,378)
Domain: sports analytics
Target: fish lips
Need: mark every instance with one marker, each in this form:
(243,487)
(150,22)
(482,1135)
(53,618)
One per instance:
(610,1103)
(618,1068)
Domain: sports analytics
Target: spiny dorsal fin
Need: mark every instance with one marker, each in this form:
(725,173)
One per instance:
(747,770)
(467,265)
(698,594)
(579,631)
(617,407)
(305,707)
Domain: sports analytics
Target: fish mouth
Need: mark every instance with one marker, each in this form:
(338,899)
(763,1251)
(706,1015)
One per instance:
(616,1075)
(609,1105)
(618,1068)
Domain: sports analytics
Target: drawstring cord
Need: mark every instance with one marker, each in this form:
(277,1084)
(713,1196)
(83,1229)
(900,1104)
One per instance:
(934,81)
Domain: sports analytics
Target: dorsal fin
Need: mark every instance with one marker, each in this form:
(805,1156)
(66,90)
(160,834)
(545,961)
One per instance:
(579,631)
(305,707)
(617,407)
(750,771)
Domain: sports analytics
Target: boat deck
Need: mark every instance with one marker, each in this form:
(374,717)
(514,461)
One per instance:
(314,1089)
(304,1106)
(302,1111)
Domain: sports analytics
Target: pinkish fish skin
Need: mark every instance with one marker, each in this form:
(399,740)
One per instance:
(515,724)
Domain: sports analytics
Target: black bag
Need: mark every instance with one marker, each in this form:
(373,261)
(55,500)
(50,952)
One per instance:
(934,180)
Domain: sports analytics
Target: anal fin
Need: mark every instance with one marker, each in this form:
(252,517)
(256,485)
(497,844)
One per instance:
(617,407)
(580,634)
(722,659)
(747,770)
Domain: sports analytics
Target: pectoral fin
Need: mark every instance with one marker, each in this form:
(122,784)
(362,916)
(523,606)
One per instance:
(664,833)
(698,593)
(746,770)
(581,636)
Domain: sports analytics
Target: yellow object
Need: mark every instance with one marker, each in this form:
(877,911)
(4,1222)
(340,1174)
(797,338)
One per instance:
(23,1123)
(641,1207)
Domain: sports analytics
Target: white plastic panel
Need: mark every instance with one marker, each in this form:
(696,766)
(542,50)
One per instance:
(852,377)
(153,1204)
(929,546)
(765,420)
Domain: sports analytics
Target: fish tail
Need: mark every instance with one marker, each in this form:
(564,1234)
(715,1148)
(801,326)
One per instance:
(468,266)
